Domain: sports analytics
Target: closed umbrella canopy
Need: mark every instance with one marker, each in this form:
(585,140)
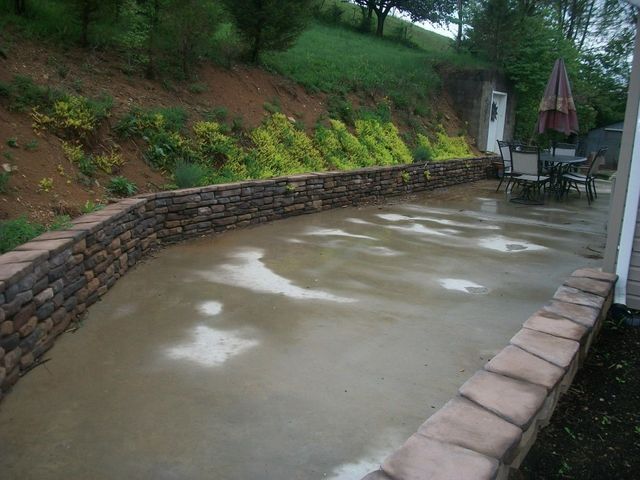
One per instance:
(557,110)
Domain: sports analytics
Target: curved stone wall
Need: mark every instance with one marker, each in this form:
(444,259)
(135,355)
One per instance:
(47,283)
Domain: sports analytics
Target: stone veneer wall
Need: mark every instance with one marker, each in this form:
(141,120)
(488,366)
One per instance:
(488,428)
(48,282)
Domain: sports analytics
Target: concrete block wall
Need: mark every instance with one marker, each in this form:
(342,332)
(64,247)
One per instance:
(47,283)
(487,429)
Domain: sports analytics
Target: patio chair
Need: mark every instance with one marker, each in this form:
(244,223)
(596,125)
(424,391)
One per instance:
(527,171)
(568,149)
(505,155)
(574,179)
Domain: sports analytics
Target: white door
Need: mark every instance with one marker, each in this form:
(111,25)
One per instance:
(497,115)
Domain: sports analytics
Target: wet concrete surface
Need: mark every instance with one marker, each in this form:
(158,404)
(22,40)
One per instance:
(309,348)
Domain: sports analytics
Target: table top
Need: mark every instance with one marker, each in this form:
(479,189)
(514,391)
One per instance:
(547,157)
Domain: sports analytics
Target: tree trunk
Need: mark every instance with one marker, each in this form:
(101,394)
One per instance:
(86,14)
(459,35)
(155,18)
(382,16)
(20,7)
(257,44)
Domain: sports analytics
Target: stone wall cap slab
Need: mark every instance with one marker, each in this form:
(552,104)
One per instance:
(589,285)
(464,423)
(516,363)
(573,295)
(559,351)
(516,401)
(595,274)
(421,458)
(12,272)
(52,246)
(58,234)
(586,316)
(19,256)
(89,227)
(547,322)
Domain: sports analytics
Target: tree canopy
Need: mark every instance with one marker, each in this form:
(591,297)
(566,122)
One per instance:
(435,11)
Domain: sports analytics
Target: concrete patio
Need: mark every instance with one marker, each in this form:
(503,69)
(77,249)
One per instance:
(306,348)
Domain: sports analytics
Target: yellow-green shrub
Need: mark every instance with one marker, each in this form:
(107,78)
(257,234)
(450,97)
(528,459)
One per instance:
(281,149)
(73,116)
(73,152)
(383,142)
(340,148)
(109,162)
(445,147)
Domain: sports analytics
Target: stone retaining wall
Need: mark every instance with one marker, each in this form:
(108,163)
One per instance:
(48,282)
(488,428)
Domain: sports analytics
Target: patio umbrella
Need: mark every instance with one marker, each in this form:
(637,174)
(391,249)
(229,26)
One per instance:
(557,110)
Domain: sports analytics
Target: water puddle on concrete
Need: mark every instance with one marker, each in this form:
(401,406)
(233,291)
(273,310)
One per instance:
(209,347)
(308,348)
(462,285)
(504,244)
(251,273)
(335,232)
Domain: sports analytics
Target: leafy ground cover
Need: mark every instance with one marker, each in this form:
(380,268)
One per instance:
(595,431)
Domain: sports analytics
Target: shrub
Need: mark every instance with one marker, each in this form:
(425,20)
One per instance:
(383,142)
(16,232)
(122,187)
(4,180)
(12,142)
(444,147)
(73,116)
(45,184)
(145,122)
(60,222)
(340,148)
(283,150)
(90,207)
(24,93)
(108,162)
(73,152)
(422,153)
(187,175)
(339,107)
(213,144)
(217,114)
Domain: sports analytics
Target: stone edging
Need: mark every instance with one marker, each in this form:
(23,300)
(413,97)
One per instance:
(48,282)
(488,428)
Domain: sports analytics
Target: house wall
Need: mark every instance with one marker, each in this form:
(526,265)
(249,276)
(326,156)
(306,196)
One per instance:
(633,279)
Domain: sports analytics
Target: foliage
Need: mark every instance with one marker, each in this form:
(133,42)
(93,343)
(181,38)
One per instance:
(268,25)
(45,184)
(442,148)
(109,162)
(340,148)
(12,142)
(422,153)
(23,93)
(187,175)
(383,142)
(4,180)
(16,232)
(146,122)
(91,206)
(60,222)
(339,107)
(212,143)
(283,150)
(121,187)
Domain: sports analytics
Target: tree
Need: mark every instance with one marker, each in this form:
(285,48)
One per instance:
(435,11)
(269,24)
(20,7)
(86,11)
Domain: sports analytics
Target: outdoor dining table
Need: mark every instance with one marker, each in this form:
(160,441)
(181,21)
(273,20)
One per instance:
(558,165)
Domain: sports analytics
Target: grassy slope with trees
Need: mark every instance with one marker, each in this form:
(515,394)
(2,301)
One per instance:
(365,85)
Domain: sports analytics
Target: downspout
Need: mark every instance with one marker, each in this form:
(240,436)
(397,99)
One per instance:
(629,221)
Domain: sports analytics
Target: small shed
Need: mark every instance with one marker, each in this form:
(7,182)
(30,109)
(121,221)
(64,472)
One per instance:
(608,137)
(485,100)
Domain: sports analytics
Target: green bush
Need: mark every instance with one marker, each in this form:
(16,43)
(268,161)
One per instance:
(422,154)
(187,175)
(4,180)
(340,148)
(121,187)
(383,142)
(16,232)
(281,149)
(444,147)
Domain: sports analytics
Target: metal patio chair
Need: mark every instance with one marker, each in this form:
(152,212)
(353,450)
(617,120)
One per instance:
(567,149)
(505,155)
(574,179)
(527,173)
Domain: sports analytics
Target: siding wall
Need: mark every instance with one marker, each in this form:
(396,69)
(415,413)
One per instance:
(633,280)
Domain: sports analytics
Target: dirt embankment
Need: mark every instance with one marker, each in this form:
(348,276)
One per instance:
(241,90)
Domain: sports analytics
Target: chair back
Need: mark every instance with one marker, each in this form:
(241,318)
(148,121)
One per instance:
(526,160)
(567,149)
(598,160)
(505,153)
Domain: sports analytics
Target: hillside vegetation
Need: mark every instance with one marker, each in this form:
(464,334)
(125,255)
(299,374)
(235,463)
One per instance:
(80,127)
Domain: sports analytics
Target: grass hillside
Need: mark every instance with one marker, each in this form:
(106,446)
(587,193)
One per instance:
(80,127)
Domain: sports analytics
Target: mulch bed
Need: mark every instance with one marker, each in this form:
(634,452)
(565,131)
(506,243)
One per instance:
(595,430)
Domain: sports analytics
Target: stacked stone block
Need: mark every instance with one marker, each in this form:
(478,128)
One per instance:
(48,282)
(486,431)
